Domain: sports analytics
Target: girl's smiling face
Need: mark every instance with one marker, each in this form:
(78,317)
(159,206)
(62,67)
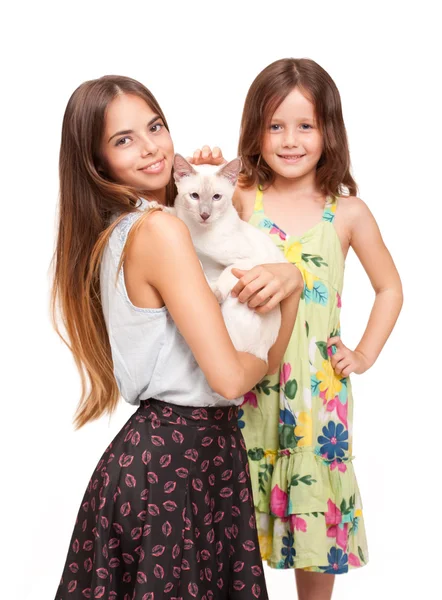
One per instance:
(292,144)
(136,148)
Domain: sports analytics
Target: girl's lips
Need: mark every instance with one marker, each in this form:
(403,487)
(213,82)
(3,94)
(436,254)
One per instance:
(291,158)
(155,168)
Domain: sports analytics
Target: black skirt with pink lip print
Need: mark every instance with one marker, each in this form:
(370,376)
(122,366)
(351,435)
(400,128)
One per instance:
(168,513)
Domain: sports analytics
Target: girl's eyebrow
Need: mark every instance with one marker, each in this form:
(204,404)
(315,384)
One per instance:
(297,118)
(128,131)
(125,132)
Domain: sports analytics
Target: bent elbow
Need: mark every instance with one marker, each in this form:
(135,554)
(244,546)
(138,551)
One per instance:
(233,395)
(228,391)
(229,387)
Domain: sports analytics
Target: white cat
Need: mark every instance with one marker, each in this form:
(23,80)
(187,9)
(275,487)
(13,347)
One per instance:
(222,242)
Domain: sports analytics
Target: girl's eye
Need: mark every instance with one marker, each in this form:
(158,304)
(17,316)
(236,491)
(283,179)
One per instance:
(217,197)
(275,127)
(194,196)
(156,127)
(306,126)
(123,141)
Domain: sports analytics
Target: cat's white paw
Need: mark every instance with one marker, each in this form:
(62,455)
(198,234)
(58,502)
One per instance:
(170,210)
(153,204)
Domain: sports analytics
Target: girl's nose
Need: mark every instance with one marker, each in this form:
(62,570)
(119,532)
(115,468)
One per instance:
(148,148)
(290,139)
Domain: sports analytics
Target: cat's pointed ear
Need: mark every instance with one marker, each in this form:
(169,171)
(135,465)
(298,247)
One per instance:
(231,170)
(181,168)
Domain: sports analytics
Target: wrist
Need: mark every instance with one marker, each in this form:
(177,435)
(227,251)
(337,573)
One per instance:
(297,278)
(367,361)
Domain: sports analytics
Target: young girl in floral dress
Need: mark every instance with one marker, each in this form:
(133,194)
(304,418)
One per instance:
(297,424)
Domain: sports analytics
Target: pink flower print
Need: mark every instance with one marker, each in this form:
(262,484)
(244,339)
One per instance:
(285,373)
(323,396)
(297,524)
(276,231)
(251,398)
(331,404)
(342,467)
(342,410)
(353,560)
(335,404)
(333,515)
(278,502)
(339,300)
(340,532)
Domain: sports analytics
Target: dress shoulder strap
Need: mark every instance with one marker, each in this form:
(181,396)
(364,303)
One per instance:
(259,207)
(330,209)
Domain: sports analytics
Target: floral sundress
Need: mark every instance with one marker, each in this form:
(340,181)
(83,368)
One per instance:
(297,424)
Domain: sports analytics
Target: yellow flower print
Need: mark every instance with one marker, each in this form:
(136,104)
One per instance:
(270,454)
(293,254)
(265,546)
(308,278)
(330,383)
(304,429)
(358,512)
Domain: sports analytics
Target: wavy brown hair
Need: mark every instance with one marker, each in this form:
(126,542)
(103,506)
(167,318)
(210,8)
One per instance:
(266,93)
(88,200)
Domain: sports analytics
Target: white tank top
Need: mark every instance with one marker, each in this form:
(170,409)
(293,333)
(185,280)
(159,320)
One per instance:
(151,358)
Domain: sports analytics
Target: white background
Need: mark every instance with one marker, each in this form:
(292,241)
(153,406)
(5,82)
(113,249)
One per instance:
(199,59)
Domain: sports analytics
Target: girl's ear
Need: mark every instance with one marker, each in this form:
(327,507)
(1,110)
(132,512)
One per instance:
(231,170)
(181,168)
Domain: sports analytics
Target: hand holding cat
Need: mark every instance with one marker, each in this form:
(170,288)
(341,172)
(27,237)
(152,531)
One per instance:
(207,156)
(265,286)
(345,361)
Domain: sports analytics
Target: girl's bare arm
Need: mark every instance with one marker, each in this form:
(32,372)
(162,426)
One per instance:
(163,250)
(366,240)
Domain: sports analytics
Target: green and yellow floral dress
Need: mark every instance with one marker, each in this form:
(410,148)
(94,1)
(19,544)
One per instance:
(298,423)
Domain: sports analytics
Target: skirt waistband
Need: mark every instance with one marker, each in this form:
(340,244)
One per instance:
(175,414)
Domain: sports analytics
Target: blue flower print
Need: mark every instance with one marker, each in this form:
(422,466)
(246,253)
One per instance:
(338,562)
(241,423)
(265,223)
(355,527)
(288,551)
(334,440)
(286,417)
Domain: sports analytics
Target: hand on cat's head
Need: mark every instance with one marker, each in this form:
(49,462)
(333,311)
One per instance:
(207,156)
(183,168)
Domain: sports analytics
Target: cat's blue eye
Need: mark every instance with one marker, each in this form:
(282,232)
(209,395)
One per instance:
(194,196)
(217,197)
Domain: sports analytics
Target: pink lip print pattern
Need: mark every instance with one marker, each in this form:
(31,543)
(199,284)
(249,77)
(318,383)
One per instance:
(168,513)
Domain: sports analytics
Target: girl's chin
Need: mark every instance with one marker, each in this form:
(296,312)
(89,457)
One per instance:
(151,183)
(292,171)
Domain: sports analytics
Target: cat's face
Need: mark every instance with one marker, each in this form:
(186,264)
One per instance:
(204,192)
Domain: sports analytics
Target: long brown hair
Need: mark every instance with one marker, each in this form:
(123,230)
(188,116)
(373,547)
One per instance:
(88,198)
(266,93)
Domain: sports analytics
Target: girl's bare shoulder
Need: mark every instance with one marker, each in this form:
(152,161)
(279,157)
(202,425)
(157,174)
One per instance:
(352,207)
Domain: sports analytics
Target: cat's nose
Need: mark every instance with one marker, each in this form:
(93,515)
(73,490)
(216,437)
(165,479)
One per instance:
(204,216)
